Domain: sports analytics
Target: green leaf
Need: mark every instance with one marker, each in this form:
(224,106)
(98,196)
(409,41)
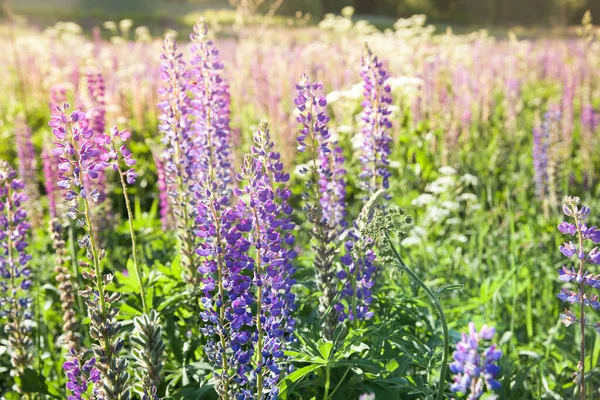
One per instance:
(205,392)
(446,288)
(325,349)
(296,376)
(33,382)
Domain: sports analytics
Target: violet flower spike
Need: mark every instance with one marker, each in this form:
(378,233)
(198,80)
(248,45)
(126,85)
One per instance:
(272,242)
(226,296)
(324,197)
(51,174)
(163,196)
(80,376)
(210,108)
(376,145)
(97,116)
(581,255)
(181,153)
(81,159)
(475,368)
(15,280)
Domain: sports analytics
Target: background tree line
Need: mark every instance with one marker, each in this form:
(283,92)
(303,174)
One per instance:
(479,12)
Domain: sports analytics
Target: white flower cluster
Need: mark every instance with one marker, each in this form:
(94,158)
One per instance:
(439,208)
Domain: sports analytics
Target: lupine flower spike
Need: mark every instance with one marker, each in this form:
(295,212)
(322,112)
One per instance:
(163,195)
(210,109)
(65,286)
(80,161)
(15,303)
(28,167)
(376,142)
(246,260)
(271,239)
(80,377)
(474,367)
(96,114)
(50,169)
(324,198)
(180,152)
(360,270)
(580,255)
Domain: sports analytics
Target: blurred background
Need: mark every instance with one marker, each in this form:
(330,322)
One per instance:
(534,16)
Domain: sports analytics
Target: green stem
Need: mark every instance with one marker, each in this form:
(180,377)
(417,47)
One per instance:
(340,382)
(94,250)
(581,317)
(436,304)
(220,269)
(259,328)
(327,381)
(15,304)
(138,271)
(186,241)
(74,268)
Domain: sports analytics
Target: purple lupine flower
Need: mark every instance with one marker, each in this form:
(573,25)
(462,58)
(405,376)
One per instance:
(545,140)
(313,117)
(112,154)
(80,159)
(50,162)
(327,166)
(583,234)
(324,197)
(275,175)
(475,368)
(210,107)
(376,142)
(180,152)
(80,376)
(327,162)
(25,154)
(268,211)
(569,89)
(358,277)
(226,288)
(28,168)
(580,255)
(14,271)
(590,120)
(96,92)
(333,188)
(50,168)
(181,156)
(97,115)
(163,196)
(245,253)
(540,160)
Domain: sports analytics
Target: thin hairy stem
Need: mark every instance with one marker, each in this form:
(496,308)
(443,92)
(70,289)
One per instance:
(582,316)
(438,307)
(220,268)
(138,271)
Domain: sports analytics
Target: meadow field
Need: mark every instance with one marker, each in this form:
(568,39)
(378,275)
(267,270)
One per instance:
(297,210)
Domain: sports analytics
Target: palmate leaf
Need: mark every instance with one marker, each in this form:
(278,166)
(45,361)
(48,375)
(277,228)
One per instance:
(325,349)
(295,377)
(33,382)
(204,393)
